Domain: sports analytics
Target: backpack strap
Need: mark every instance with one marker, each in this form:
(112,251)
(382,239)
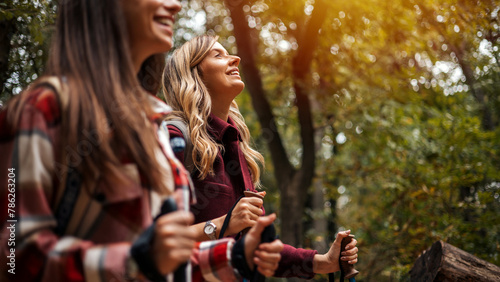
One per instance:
(188,150)
(59,89)
(70,180)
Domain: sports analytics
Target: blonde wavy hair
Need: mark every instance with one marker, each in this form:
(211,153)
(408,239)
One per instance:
(187,94)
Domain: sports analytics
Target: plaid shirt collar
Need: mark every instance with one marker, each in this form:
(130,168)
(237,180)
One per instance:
(159,107)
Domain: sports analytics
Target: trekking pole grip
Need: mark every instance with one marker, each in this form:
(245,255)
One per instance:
(346,268)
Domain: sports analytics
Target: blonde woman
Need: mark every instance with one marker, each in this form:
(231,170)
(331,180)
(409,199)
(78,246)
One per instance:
(200,83)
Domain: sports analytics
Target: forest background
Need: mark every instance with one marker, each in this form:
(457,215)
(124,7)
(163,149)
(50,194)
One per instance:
(377,116)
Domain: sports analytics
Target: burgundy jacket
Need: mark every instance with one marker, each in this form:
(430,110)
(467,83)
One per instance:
(216,194)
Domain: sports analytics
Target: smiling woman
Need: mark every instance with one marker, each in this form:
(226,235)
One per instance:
(222,79)
(150,25)
(201,81)
(92,165)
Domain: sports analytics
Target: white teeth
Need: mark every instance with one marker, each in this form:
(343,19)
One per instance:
(234,73)
(165,21)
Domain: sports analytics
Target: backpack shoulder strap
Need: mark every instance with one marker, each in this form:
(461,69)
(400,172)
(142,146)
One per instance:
(188,150)
(70,179)
(59,89)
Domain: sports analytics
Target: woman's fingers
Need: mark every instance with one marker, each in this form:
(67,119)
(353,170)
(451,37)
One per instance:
(250,203)
(265,268)
(274,246)
(179,217)
(256,210)
(252,238)
(351,244)
(350,251)
(245,214)
(340,236)
(173,240)
(350,259)
(351,256)
(267,257)
(177,242)
(251,207)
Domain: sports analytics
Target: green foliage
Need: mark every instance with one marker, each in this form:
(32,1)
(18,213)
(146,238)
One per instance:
(29,39)
(406,174)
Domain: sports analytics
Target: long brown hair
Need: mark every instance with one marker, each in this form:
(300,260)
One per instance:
(187,94)
(90,51)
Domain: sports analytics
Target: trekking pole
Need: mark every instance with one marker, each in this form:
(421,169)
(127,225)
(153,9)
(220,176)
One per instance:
(347,270)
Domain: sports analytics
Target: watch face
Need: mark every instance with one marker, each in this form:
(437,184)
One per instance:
(209,229)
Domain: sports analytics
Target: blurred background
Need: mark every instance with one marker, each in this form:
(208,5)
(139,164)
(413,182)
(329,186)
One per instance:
(377,116)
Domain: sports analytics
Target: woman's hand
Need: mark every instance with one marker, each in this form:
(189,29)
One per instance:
(244,215)
(173,241)
(267,256)
(329,262)
(264,256)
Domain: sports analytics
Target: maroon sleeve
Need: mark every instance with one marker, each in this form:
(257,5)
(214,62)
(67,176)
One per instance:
(296,262)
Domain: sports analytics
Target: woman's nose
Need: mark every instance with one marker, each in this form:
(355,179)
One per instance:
(235,60)
(173,5)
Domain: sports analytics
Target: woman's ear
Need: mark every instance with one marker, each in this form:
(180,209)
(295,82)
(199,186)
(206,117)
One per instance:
(198,70)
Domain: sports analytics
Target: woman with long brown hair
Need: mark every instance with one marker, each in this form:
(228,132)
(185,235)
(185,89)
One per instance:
(85,167)
(200,83)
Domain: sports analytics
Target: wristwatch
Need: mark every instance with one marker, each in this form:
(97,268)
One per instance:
(210,229)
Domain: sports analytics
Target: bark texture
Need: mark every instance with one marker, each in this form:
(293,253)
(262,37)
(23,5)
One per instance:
(445,262)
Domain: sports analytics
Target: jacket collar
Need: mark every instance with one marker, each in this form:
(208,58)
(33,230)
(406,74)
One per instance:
(159,107)
(222,130)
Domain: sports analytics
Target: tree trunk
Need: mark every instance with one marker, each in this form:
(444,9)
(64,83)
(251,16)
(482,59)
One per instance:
(481,97)
(320,225)
(291,210)
(293,183)
(246,43)
(301,68)
(444,262)
(320,219)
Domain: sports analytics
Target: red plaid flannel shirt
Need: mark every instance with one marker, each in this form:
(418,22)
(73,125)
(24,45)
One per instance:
(97,241)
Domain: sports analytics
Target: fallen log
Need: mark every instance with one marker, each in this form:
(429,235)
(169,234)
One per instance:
(444,262)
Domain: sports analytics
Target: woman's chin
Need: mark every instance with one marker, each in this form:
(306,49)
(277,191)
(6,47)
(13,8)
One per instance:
(242,86)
